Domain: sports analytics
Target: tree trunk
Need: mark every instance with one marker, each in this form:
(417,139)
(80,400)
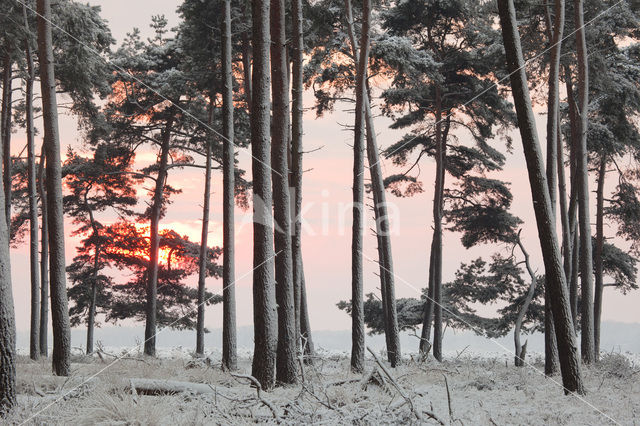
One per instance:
(555,30)
(438,202)
(34,342)
(7,318)
(305,324)
(521,350)
(427,313)
(204,235)
(597,303)
(91,317)
(297,92)
(357,304)
(394,352)
(154,244)
(229,333)
(44,260)
(573,234)
(567,348)
(264,301)
(286,366)
(6,135)
(59,302)
(586,259)
(247,59)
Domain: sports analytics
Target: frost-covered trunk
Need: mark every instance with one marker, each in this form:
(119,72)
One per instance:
(586,259)
(567,347)
(394,352)
(554,31)
(44,260)
(229,333)
(59,301)
(6,134)
(7,319)
(154,242)
(265,320)
(438,204)
(34,269)
(286,366)
(204,235)
(597,256)
(357,306)
(297,90)
(574,236)
(247,59)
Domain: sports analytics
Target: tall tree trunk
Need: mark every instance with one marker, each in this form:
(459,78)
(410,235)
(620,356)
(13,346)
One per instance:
(247,59)
(44,260)
(229,333)
(597,303)
(555,30)
(394,352)
(7,318)
(357,306)
(586,259)
(34,342)
(154,244)
(265,321)
(204,236)
(438,203)
(59,301)
(6,135)
(286,366)
(573,225)
(567,348)
(297,91)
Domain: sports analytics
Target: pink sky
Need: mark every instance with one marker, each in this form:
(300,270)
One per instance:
(327,190)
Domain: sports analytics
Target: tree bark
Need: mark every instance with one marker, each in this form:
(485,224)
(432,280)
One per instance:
(34,341)
(437,230)
(154,242)
(286,365)
(567,348)
(44,260)
(204,236)
(6,134)
(229,333)
(7,318)
(357,303)
(265,320)
(586,259)
(297,91)
(394,352)
(427,314)
(59,301)
(597,303)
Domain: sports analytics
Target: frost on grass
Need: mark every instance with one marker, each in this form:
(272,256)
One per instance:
(480,391)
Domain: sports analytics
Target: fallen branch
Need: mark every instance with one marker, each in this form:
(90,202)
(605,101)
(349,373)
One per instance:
(256,383)
(396,385)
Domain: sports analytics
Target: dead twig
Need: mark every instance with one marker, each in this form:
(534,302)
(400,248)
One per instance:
(446,383)
(256,383)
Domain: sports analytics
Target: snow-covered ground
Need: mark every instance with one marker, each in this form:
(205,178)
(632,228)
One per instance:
(465,389)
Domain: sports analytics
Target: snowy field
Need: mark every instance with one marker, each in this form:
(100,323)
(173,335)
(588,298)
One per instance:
(466,389)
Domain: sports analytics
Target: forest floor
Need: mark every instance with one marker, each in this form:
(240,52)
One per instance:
(466,390)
